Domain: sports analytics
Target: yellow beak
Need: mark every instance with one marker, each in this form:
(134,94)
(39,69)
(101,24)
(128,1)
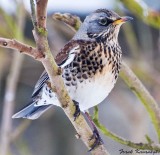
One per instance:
(122,20)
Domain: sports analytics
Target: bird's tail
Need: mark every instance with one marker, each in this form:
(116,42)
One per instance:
(31,111)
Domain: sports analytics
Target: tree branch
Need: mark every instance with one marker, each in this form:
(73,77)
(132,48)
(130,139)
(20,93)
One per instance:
(143,146)
(140,9)
(41,13)
(14,44)
(146,99)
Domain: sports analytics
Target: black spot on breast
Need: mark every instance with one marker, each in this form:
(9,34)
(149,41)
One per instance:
(68,79)
(113,65)
(83,62)
(99,54)
(67,84)
(89,73)
(83,47)
(84,76)
(91,57)
(88,62)
(95,67)
(100,61)
(90,67)
(66,74)
(79,76)
(78,59)
(93,63)
(113,71)
(109,52)
(75,64)
(78,70)
(82,57)
(83,51)
(73,83)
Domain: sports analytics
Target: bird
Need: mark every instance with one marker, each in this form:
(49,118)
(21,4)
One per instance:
(90,64)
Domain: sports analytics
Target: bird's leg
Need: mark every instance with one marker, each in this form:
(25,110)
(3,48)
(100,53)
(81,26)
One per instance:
(77,109)
(98,139)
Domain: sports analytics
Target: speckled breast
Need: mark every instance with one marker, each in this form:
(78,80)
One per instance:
(92,74)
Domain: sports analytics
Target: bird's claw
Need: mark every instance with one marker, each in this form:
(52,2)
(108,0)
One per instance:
(98,139)
(77,110)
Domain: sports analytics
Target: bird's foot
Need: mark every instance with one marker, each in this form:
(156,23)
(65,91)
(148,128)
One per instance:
(77,110)
(98,139)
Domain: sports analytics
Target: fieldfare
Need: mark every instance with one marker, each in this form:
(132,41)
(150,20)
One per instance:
(90,62)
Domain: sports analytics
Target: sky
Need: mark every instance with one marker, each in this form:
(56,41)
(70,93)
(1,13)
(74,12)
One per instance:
(65,5)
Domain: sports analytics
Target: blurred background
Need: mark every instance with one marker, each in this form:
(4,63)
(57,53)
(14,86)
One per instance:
(53,134)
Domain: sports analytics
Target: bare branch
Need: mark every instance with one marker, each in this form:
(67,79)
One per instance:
(14,44)
(149,103)
(143,146)
(71,20)
(41,13)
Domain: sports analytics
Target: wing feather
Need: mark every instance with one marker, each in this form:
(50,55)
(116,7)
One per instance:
(40,83)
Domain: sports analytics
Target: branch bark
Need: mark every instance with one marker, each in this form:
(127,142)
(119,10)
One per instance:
(21,47)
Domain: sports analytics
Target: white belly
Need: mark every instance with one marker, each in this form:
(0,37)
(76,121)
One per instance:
(88,93)
(92,91)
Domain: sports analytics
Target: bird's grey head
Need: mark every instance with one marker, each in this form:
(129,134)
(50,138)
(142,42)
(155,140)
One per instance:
(101,24)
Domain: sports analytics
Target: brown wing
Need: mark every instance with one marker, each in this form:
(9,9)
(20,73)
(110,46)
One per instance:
(62,57)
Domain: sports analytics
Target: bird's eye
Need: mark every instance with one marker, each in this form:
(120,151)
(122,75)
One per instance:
(103,21)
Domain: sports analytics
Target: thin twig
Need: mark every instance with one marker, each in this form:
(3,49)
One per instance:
(22,48)
(105,131)
(33,16)
(149,103)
